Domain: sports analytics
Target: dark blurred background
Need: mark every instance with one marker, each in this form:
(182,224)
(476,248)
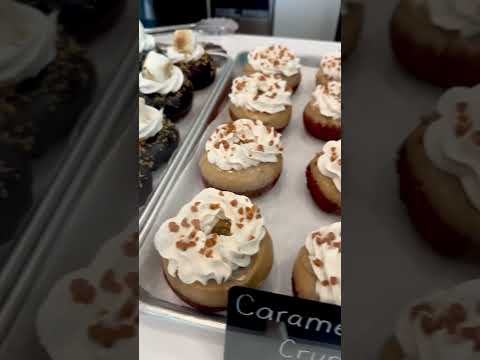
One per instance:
(319,19)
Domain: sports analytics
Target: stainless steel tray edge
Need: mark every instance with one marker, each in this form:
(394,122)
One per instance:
(179,159)
(163,309)
(36,240)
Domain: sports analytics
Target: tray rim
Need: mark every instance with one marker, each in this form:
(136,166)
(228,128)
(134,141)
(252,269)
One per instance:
(149,305)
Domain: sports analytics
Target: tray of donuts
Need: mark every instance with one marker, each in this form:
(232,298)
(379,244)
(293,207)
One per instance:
(257,202)
(176,82)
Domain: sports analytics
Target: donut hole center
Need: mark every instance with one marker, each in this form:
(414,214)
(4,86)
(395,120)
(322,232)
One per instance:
(223,227)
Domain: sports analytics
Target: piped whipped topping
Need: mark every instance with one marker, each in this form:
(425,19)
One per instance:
(27,39)
(146,42)
(159,75)
(452,142)
(459,15)
(275,59)
(242,144)
(324,248)
(185,47)
(150,120)
(443,326)
(331,66)
(328,99)
(329,163)
(259,92)
(195,252)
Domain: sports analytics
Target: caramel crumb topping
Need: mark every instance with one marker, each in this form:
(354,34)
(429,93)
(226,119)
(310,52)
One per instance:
(173,227)
(184,246)
(196,224)
(318,263)
(212,241)
(82,291)
(185,223)
(109,283)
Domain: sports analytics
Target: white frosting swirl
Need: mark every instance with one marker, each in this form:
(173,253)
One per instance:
(459,15)
(27,40)
(275,59)
(452,142)
(243,144)
(328,99)
(185,47)
(259,92)
(331,66)
(330,162)
(159,75)
(146,42)
(443,326)
(324,248)
(150,120)
(195,253)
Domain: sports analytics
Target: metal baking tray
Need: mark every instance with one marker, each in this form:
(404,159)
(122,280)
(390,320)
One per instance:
(200,107)
(171,197)
(96,129)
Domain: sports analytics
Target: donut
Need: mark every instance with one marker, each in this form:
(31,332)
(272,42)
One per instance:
(317,269)
(322,116)
(330,69)
(261,97)
(324,177)
(215,242)
(439,178)
(275,60)
(244,157)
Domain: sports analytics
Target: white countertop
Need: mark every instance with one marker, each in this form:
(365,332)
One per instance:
(165,339)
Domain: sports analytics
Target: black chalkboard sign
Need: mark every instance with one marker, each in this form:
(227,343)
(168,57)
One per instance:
(266,326)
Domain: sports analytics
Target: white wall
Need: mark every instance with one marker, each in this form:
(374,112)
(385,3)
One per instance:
(310,19)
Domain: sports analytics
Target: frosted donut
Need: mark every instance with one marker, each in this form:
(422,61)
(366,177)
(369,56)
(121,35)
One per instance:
(317,270)
(322,116)
(330,69)
(324,177)
(244,157)
(275,60)
(261,97)
(216,241)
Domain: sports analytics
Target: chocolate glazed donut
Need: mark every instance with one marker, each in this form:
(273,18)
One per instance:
(175,105)
(162,145)
(201,72)
(58,95)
